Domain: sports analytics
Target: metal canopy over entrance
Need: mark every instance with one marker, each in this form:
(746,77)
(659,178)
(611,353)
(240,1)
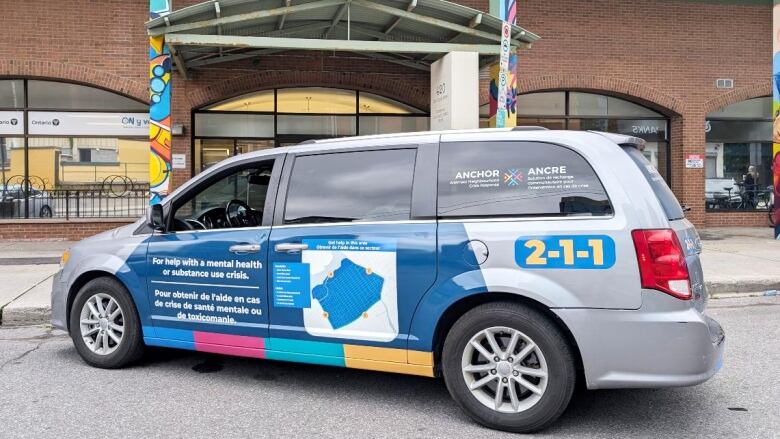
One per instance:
(413,33)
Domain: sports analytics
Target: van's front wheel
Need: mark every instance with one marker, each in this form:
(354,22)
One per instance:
(508,367)
(104,324)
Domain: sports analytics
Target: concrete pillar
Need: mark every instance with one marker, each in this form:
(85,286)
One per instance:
(455,91)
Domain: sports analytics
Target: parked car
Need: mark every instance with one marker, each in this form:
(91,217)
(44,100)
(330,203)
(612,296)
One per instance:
(12,202)
(512,263)
(722,193)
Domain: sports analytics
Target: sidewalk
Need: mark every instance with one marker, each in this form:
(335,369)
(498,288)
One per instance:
(735,261)
(26,271)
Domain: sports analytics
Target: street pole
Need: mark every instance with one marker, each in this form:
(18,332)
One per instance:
(775,110)
(503,75)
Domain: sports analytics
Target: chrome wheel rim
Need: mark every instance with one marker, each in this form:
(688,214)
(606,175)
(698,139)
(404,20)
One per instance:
(504,369)
(102,324)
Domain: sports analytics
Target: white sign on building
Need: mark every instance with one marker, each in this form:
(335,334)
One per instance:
(179,161)
(54,123)
(455,92)
(11,123)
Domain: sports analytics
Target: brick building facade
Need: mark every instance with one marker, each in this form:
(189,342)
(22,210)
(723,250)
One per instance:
(663,54)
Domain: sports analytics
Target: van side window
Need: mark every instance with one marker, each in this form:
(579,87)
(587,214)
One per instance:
(479,179)
(245,186)
(351,186)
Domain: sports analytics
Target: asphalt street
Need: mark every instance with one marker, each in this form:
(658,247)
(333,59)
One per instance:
(47,391)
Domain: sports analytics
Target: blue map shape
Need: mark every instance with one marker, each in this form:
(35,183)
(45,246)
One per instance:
(349,293)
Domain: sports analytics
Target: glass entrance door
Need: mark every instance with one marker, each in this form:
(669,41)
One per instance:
(244,146)
(294,139)
(213,151)
(288,116)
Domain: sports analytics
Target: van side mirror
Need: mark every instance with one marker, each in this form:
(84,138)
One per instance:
(157,218)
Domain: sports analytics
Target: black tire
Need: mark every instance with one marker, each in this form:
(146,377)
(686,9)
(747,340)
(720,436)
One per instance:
(45,212)
(131,347)
(547,336)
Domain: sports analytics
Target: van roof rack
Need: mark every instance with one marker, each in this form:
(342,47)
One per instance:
(622,139)
(529,128)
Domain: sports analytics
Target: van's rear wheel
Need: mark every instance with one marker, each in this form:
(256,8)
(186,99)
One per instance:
(104,324)
(508,367)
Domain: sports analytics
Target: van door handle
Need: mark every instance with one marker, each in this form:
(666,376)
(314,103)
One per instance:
(242,249)
(291,247)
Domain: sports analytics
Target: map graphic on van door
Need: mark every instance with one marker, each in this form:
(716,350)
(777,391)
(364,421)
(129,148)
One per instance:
(348,292)
(352,290)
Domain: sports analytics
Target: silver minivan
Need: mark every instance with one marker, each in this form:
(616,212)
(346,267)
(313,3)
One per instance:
(512,263)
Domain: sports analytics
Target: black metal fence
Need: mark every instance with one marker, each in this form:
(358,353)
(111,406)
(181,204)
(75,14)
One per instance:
(115,197)
(740,199)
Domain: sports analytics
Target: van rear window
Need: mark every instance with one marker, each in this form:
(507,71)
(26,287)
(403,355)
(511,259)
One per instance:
(517,179)
(665,195)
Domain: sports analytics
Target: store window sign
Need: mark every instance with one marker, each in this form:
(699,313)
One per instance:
(54,123)
(648,129)
(11,123)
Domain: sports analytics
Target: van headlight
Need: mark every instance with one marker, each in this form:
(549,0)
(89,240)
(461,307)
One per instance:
(64,258)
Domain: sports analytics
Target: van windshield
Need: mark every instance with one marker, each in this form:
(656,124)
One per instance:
(665,196)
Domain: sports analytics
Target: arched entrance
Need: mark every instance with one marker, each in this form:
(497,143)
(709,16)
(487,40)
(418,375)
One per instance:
(576,110)
(71,150)
(286,116)
(738,156)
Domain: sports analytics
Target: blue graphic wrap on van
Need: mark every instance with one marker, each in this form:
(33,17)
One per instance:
(458,276)
(364,281)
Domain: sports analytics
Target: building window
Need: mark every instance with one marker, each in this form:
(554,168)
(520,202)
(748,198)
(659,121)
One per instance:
(738,156)
(570,110)
(288,116)
(70,150)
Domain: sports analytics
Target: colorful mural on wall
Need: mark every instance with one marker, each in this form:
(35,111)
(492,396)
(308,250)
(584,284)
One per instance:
(159,109)
(507,11)
(775,214)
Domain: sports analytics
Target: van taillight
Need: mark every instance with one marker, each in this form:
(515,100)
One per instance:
(662,263)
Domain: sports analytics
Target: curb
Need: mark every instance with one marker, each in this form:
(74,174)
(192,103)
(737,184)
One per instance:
(27,316)
(32,307)
(767,293)
(742,287)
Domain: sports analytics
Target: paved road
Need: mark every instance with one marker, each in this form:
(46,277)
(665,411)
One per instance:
(46,391)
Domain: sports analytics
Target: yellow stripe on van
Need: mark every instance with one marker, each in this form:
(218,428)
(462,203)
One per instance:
(421,357)
(388,360)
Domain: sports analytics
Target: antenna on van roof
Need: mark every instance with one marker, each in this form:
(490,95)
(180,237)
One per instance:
(530,128)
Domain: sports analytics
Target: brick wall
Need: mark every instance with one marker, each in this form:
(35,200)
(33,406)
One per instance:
(71,230)
(101,43)
(663,53)
(741,219)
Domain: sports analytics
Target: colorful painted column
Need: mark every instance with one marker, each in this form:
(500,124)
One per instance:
(775,110)
(160,181)
(507,11)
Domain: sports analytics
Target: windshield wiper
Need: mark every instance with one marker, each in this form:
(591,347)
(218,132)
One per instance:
(319,219)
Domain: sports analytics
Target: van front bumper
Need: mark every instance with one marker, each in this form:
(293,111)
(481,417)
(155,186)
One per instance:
(665,343)
(59,299)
